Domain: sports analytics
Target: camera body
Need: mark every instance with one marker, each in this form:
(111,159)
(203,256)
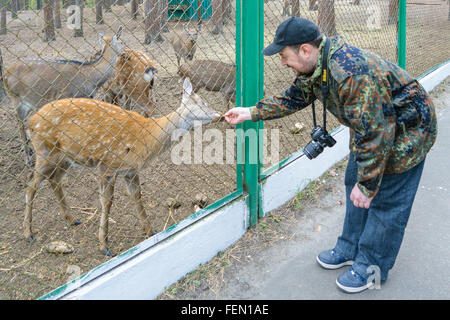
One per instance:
(321,139)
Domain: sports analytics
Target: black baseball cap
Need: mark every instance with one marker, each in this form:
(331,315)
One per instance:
(292,31)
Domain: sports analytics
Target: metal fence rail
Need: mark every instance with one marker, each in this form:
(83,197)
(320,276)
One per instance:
(52,50)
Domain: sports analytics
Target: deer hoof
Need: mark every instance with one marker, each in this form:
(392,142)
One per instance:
(108,252)
(153,233)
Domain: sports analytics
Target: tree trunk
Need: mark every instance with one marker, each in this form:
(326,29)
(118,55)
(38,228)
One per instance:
(3,16)
(2,89)
(163,6)
(78,32)
(134,9)
(107,4)
(295,5)
(327,18)
(313,5)
(99,11)
(39,4)
(393,11)
(49,29)
(13,9)
(151,22)
(57,14)
(217,17)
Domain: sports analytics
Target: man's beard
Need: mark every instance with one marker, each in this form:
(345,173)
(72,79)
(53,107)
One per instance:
(311,68)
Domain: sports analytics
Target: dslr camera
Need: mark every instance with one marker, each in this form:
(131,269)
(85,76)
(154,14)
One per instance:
(321,139)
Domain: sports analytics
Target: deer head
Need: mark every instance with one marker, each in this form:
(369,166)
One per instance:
(191,41)
(113,41)
(193,110)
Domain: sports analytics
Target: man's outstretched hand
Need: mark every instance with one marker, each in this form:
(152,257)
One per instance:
(237,115)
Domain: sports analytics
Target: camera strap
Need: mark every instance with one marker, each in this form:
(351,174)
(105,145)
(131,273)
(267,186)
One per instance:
(324,85)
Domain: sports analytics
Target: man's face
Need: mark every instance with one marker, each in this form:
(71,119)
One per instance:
(302,62)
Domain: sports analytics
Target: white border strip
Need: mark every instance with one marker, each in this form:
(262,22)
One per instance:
(435,77)
(146,275)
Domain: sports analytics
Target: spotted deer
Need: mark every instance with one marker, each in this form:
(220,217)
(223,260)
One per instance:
(94,133)
(184,43)
(33,82)
(131,84)
(211,75)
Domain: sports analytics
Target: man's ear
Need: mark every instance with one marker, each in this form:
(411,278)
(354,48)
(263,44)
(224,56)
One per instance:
(306,49)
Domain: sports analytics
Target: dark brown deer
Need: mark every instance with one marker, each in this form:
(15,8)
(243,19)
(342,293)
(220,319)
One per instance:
(184,43)
(33,82)
(213,76)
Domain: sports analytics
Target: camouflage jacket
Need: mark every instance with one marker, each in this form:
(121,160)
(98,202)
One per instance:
(391,118)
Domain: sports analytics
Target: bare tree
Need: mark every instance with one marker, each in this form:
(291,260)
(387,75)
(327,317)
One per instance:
(295,5)
(78,32)
(99,11)
(218,15)
(327,17)
(57,14)
(151,22)
(49,29)
(13,8)
(2,89)
(312,5)
(393,11)
(3,16)
(163,8)
(134,9)
(107,4)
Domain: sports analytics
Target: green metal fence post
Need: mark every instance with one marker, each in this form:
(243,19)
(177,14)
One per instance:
(249,89)
(402,34)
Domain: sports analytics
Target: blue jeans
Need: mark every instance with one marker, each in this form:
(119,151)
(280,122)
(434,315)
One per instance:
(372,237)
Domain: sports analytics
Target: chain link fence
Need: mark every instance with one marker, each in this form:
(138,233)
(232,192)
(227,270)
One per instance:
(52,50)
(368,24)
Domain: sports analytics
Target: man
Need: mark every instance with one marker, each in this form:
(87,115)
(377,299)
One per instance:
(392,125)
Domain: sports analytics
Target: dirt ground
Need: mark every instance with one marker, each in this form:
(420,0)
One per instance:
(26,270)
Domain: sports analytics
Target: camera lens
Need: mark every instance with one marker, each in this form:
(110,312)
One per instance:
(312,149)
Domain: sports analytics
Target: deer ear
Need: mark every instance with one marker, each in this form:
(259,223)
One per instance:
(187,86)
(100,39)
(186,30)
(199,26)
(119,32)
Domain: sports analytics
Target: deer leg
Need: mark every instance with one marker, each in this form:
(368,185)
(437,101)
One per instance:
(134,190)
(22,113)
(38,177)
(106,198)
(55,183)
